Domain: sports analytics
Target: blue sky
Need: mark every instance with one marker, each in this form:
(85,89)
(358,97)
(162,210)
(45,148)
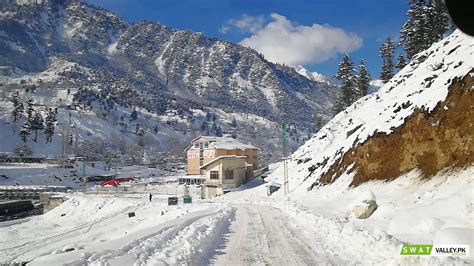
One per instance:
(310,32)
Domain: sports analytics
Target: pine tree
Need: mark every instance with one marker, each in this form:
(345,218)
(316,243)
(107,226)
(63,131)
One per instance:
(439,19)
(17,106)
(363,79)
(50,121)
(25,131)
(133,115)
(29,110)
(37,123)
(401,63)
(318,122)
(346,74)
(386,52)
(426,24)
(219,132)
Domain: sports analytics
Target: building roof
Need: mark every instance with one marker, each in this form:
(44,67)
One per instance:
(224,143)
(223,157)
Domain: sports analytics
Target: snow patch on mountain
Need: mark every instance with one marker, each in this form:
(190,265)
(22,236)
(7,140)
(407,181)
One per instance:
(315,76)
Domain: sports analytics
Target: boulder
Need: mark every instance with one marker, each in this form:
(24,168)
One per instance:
(365,209)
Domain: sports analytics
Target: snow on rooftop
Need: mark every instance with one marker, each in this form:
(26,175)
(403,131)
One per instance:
(225,143)
(223,157)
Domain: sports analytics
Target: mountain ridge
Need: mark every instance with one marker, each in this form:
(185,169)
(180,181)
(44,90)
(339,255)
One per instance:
(88,60)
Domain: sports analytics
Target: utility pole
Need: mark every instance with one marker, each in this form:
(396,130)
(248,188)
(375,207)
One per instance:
(284,139)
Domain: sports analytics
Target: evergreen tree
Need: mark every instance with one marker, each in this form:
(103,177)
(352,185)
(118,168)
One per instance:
(426,24)
(50,122)
(17,106)
(29,110)
(401,63)
(439,19)
(204,126)
(346,74)
(133,115)
(219,132)
(37,123)
(386,52)
(208,117)
(214,128)
(363,79)
(25,131)
(318,122)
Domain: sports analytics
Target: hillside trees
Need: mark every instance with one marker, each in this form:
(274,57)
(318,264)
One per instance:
(37,123)
(363,79)
(386,53)
(29,109)
(427,22)
(50,121)
(346,74)
(17,106)
(25,131)
(401,63)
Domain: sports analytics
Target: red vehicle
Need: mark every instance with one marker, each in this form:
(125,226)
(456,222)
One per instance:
(116,181)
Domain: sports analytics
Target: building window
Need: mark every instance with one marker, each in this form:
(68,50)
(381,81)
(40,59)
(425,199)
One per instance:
(196,145)
(201,172)
(229,174)
(214,174)
(201,161)
(206,145)
(201,145)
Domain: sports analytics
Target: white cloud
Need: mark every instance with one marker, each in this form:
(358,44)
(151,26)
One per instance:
(282,41)
(245,23)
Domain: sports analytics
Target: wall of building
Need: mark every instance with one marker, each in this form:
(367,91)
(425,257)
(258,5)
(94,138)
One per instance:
(252,155)
(214,187)
(238,166)
(193,156)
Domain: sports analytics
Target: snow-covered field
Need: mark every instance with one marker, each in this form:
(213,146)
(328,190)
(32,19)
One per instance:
(247,227)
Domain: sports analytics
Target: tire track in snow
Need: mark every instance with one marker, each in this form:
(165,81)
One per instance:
(20,252)
(177,244)
(263,235)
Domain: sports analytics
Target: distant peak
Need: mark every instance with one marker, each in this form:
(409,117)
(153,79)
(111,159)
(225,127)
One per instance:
(44,2)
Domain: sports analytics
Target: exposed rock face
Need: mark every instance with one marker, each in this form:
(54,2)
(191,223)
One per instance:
(426,141)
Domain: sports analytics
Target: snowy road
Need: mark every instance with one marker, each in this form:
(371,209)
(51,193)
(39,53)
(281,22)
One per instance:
(96,230)
(263,235)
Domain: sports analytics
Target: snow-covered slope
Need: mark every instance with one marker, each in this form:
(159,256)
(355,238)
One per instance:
(420,85)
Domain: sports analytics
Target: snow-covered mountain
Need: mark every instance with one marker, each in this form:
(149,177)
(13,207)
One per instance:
(77,54)
(314,76)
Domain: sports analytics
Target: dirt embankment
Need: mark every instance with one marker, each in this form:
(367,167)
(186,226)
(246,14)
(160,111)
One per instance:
(429,142)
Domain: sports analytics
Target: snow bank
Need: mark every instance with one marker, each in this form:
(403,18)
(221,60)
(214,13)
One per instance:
(94,229)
